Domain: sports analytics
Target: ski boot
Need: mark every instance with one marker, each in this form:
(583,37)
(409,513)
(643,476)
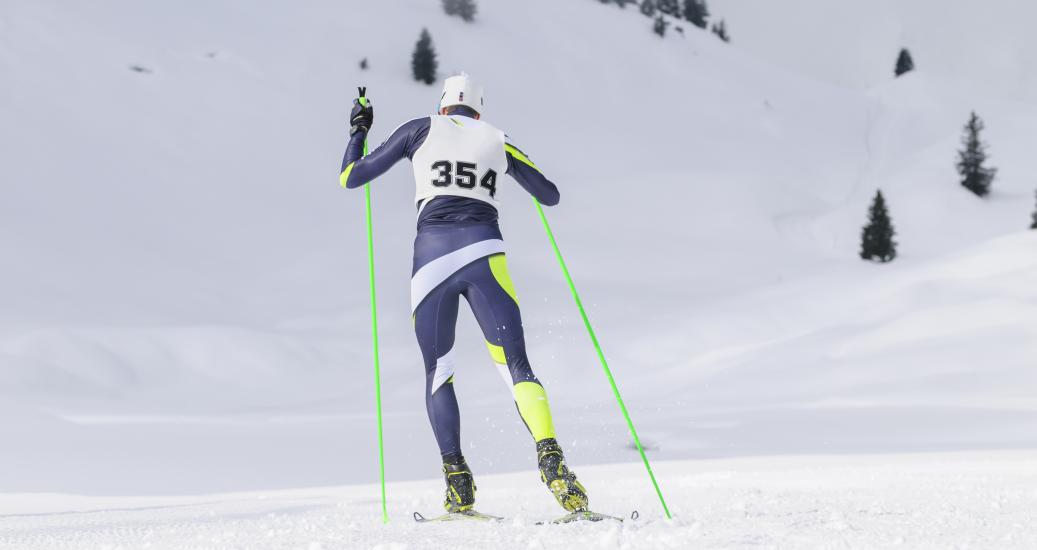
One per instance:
(460,487)
(558,478)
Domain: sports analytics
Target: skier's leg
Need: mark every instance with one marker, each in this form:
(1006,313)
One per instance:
(491,294)
(434,321)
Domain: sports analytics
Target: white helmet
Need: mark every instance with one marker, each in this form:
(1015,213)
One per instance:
(461,90)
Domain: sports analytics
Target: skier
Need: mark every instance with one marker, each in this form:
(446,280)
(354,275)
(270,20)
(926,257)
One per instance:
(457,159)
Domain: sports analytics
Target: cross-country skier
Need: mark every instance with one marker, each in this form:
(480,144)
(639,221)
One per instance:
(458,161)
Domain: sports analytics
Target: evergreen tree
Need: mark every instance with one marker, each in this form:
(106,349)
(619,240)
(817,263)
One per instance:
(974,176)
(423,62)
(660,25)
(648,7)
(877,237)
(720,29)
(1033,224)
(904,63)
(696,12)
(467,9)
(363,64)
(669,7)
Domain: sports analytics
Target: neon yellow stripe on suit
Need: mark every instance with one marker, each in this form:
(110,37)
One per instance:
(344,177)
(499,268)
(532,404)
(530,398)
(519,155)
(497,353)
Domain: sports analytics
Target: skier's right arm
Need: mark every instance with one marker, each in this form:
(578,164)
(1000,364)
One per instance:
(529,176)
(357,169)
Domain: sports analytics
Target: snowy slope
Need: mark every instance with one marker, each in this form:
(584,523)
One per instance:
(970,500)
(979,48)
(183,285)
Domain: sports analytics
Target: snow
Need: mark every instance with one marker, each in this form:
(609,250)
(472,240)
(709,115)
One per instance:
(978,49)
(183,286)
(955,500)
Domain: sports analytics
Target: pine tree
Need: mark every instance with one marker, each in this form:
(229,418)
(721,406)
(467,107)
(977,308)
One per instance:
(423,62)
(467,9)
(363,64)
(648,7)
(720,29)
(669,7)
(904,63)
(974,176)
(660,25)
(696,12)
(877,237)
(1033,224)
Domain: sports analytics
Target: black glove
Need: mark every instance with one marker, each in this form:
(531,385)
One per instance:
(362,117)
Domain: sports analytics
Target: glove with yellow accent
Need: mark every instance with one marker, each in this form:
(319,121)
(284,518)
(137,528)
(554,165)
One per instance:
(362,117)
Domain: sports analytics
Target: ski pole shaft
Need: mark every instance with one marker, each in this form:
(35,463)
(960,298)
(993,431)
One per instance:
(374,330)
(601,356)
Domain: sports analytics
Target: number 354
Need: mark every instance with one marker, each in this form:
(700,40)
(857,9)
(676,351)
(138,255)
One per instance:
(464,177)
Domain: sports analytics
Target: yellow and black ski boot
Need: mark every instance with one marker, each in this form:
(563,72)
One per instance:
(558,478)
(460,487)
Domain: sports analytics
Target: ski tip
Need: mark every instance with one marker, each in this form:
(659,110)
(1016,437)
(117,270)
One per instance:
(634,515)
(418,517)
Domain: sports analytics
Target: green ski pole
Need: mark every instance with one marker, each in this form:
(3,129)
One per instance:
(601,356)
(374,328)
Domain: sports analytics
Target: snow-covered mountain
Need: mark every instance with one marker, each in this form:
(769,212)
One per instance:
(183,285)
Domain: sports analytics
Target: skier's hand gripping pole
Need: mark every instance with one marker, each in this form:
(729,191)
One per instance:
(601,356)
(362,118)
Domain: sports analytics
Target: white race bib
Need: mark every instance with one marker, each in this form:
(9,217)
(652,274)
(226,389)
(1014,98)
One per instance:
(460,157)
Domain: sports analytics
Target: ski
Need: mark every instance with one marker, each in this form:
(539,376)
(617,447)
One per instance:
(467,515)
(472,515)
(586,515)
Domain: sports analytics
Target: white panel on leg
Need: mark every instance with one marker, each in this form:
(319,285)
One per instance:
(505,374)
(444,370)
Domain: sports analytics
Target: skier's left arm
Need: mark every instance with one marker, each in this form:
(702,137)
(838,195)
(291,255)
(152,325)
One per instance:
(529,176)
(358,169)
